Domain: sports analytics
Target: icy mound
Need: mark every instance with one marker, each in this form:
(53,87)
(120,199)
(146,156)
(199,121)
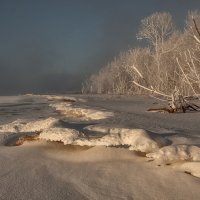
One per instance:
(135,139)
(84,113)
(192,168)
(11,127)
(172,154)
(23,126)
(39,125)
(65,135)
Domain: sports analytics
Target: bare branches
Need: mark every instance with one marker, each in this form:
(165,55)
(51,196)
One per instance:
(196,38)
(173,61)
(153,91)
(185,76)
(137,71)
(195,25)
(156,28)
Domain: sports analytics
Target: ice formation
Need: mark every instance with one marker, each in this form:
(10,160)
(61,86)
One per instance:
(23,126)
(175,153)
(83,113)
(153,144)
(65,135)
(136,139)
(60,98)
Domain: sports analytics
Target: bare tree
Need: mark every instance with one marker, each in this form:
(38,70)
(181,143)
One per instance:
(156,28)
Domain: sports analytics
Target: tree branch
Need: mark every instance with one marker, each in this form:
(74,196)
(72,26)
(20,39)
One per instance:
(151,90)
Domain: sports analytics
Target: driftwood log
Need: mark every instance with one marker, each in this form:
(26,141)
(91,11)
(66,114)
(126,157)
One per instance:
(177,103)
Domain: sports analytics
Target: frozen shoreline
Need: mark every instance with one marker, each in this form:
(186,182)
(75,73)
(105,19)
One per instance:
(106,121)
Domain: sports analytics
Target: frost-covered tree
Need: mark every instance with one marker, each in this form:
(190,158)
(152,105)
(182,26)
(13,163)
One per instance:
(171,60)
(156,29)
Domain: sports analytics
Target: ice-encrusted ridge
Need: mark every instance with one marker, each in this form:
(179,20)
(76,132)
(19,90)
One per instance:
(176,153)
(83,113)
(134,139)
(65,135)
(24,126)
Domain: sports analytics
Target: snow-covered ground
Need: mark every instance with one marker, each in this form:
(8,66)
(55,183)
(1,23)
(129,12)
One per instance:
(97,147)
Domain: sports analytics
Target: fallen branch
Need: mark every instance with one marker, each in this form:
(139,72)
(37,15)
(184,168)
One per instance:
(161,109)
(197,30)
(176,102)
(151,90)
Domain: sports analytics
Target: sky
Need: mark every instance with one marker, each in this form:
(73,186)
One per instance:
(52,46)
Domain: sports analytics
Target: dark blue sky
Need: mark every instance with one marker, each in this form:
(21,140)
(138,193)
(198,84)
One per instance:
(53,45)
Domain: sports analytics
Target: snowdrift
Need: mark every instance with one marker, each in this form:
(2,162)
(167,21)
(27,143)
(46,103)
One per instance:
(192,168)
(175,153)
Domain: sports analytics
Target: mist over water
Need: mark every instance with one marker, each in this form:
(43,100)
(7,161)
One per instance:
(52,46)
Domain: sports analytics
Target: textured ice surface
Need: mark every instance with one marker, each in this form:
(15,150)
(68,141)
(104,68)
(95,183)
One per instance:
(83,113)
(65,135)
(135,139)
(23,126)
(176,153)
(179,147)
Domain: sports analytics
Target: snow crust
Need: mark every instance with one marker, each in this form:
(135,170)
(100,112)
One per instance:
(135,139)
(65,135)
(83,113)
(162,148)
(155,146)
(23,126)
(192,168)
(175,153)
